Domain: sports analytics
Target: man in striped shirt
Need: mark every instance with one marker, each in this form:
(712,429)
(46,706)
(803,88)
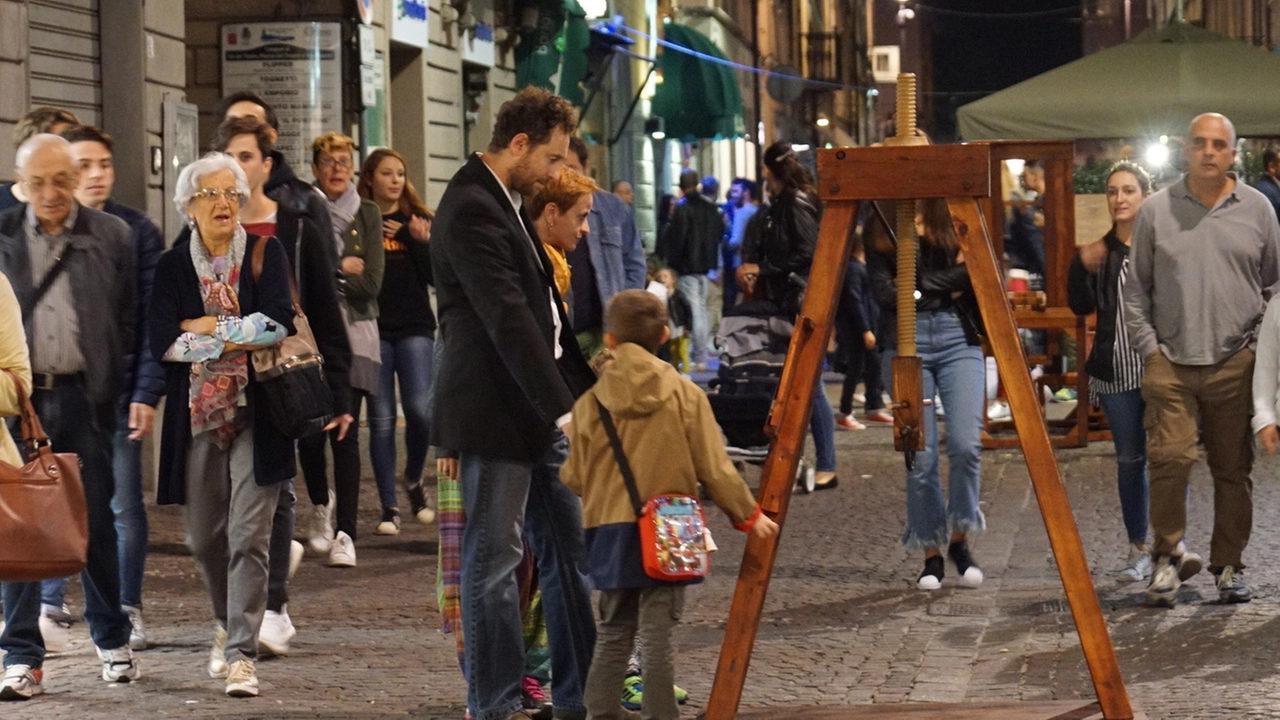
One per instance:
(1206,252)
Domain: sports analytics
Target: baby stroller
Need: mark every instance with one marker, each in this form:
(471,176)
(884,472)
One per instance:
(753,338)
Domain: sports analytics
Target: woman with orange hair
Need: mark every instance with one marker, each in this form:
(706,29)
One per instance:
(559,213)
(407,328)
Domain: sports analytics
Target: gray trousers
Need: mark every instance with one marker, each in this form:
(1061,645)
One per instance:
(228,519)
(654,613)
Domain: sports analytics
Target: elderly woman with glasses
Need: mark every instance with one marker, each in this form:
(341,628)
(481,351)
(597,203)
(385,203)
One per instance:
(220,455)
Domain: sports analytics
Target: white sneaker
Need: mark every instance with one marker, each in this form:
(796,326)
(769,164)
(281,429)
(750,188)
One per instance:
(321,534)
(218,653)
(1162,591)
(342,551)
(276,632)
(21,682)
(57,636)
(296,551)
(137,635)
(998,411)
(1137,567)
(242,679)
(118,665)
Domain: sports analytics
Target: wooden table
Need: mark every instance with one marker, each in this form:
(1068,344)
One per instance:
(1073,430)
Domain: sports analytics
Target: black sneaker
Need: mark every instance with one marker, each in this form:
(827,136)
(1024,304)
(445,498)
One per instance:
(970,574)
(418,503)
(390,524)
(1232,587)
(931,577)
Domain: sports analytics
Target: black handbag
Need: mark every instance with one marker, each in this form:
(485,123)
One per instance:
(291,372)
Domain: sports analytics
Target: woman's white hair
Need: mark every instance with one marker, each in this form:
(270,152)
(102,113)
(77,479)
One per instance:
(189,180)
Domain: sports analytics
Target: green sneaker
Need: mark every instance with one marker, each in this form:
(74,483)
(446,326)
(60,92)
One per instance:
(633,692)
(1065,394)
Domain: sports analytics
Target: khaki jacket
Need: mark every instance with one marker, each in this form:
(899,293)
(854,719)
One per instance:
(672,443)
(13,356)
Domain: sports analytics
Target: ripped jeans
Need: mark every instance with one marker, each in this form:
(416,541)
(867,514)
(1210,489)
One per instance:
(954,370)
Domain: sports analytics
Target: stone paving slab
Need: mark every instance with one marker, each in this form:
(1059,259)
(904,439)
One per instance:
(843,624)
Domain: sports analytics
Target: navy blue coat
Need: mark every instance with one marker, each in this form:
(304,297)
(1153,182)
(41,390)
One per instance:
(145,383)
(175,298)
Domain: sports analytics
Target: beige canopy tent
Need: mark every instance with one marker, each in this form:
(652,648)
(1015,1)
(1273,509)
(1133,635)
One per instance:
(1150,86)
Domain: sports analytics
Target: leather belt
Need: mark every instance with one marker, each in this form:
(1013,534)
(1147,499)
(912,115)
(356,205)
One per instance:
(49,381)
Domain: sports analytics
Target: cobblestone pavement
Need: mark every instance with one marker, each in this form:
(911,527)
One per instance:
(843,623)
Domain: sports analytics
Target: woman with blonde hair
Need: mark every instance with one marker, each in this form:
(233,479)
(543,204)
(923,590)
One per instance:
(357,228)
(406,331)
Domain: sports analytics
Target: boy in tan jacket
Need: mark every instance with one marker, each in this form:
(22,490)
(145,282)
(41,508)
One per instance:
(672,443)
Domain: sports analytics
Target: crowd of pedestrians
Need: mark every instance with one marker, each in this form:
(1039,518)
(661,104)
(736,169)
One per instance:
(542,381)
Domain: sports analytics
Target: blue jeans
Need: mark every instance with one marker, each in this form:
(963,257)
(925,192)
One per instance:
(130,512)
(694,289)
(1124,414)
(955,370)
(822,423)
(409,360)
(69,420)
(131,520)
(501,498)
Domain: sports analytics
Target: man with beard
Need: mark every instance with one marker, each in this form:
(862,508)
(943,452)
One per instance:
(509,373)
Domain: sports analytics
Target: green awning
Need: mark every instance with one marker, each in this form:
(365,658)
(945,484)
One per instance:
(1150,86)
(552,55)
(698,99)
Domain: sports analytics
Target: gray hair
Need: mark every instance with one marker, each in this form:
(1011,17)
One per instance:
(36,142)
(189,179)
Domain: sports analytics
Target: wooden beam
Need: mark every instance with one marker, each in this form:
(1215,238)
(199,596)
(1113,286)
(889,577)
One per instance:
(790,421)
(1064,537)
(904,172)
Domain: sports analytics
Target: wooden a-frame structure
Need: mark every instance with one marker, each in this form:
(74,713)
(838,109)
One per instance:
(962,175)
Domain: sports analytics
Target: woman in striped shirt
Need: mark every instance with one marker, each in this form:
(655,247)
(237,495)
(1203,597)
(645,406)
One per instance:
(1096,283)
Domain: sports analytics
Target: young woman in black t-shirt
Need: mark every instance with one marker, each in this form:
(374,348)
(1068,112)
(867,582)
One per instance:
(407,328)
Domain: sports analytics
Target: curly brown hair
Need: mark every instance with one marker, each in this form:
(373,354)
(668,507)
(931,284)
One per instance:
(534,112)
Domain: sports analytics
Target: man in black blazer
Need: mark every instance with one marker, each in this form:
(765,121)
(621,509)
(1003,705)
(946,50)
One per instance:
(509,374)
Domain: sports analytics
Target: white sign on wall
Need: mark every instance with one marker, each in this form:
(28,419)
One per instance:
(297,67)
(476,46)
(409,22)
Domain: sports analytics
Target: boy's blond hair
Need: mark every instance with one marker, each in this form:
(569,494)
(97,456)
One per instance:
(636,316)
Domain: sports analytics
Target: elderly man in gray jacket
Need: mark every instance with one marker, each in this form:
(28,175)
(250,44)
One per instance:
(73,270)
(1205,258)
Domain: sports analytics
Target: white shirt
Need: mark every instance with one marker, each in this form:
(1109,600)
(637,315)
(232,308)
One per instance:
(517,202)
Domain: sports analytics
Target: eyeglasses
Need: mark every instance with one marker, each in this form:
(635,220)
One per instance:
(61,182)
(328,162)
(231,194)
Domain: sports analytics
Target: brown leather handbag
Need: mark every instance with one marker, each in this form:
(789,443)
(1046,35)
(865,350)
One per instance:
(44,524)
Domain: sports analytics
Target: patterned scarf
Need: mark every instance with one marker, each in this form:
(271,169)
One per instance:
(217,386)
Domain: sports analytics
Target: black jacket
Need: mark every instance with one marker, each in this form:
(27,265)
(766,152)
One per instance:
(499,389)
(691,243)
(1089,292)
(782,240)
(145,383)
(301,197)
(175,298)
(943,285)
(103,274)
